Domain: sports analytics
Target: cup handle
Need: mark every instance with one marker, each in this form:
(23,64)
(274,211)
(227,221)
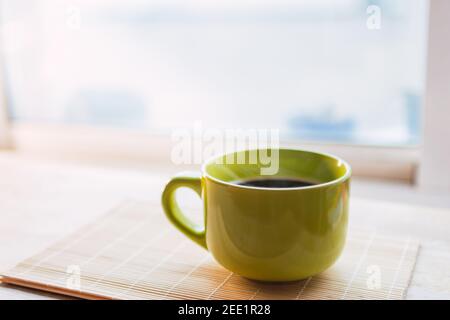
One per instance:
(169,203)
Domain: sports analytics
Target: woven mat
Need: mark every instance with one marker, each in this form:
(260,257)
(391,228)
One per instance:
(134,253)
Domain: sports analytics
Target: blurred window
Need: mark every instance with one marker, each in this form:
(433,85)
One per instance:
(347,71)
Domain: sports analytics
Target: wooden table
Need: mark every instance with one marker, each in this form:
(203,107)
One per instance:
(41,202)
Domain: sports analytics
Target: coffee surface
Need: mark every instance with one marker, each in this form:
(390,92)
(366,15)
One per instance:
(274,183)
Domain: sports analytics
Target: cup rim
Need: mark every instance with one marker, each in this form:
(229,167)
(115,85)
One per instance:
(346,176)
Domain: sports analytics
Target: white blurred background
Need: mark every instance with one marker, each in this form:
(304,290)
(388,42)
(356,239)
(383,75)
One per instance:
(313,69)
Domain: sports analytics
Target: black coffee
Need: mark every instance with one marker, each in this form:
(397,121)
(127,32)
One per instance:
(275,183)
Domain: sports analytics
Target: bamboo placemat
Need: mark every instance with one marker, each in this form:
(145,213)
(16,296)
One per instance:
(134,253)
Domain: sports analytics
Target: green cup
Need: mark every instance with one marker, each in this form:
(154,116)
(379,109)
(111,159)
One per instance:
(269,234)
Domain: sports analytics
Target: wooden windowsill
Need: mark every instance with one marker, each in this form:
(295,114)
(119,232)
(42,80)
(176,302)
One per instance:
(130,149)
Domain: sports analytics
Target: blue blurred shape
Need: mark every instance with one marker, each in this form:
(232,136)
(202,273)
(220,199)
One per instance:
(323,126)
(107,107)
(413,105)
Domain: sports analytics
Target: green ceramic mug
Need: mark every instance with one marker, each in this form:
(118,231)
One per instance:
(270,234)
